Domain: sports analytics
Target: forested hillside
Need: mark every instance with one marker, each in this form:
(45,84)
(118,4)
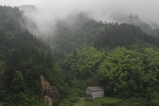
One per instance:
(121,57)
(23,59)
(101,35)
(151,28)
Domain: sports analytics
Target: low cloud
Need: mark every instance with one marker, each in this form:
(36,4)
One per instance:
(47,12)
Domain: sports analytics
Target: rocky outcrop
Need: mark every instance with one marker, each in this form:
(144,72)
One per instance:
(48,100)
(49,92)
(1,104)
(2,70)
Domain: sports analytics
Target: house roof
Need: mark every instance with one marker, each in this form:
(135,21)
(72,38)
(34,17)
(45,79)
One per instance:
(96,88)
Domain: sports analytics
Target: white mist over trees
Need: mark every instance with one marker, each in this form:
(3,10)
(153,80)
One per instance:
(46,13)
(87,43)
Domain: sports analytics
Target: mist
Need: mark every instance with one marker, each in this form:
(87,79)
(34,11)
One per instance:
(46,13)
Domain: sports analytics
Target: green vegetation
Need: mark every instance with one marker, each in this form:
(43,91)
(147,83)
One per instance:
(108,101)
(124,73)
(23,58)
(120,57)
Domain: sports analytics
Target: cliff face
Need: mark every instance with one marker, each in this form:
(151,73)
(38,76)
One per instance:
(2,70)
(1,104)
(50,93)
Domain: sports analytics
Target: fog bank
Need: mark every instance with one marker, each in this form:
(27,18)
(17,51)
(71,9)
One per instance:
(48,12)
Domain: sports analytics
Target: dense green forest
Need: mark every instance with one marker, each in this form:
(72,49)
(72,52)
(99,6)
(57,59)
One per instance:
(123,58)
(23,59)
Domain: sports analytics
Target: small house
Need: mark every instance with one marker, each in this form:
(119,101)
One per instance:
(94,92)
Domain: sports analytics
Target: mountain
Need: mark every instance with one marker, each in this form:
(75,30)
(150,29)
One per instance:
(120,57)
(150,28)
(77,52)
(23,59)
(101,35)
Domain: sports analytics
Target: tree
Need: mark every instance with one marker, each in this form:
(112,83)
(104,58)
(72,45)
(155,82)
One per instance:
(17,84)
(85,63)
(121,72)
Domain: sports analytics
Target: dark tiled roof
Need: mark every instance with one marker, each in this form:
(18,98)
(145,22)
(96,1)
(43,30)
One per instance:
(96,88)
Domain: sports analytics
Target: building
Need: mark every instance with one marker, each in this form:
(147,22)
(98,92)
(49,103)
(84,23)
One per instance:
(94,92)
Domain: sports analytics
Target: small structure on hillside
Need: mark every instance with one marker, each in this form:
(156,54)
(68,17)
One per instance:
(94,92)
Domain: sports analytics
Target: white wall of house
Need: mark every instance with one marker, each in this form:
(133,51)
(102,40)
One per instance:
(88,92)
(94,94)
(97,94)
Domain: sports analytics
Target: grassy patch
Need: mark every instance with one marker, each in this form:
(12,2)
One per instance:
(81,103)
(100,102)
(107,101)
(135,102)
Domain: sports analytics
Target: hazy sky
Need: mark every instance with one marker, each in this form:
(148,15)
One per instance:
(146,9)
(18,2)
